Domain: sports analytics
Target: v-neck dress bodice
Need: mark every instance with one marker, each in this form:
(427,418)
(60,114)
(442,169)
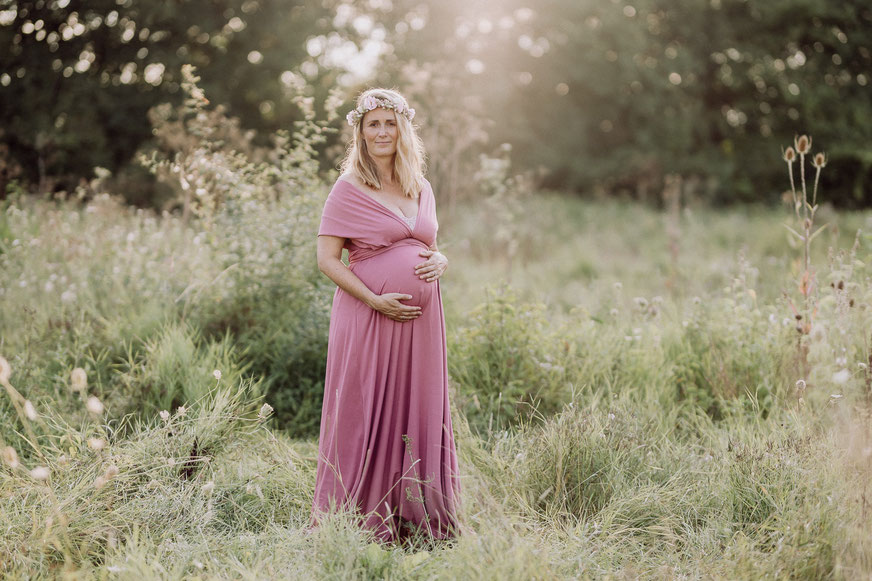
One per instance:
(386,445)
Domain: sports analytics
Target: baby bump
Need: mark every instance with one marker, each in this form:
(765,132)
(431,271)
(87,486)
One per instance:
(393,271)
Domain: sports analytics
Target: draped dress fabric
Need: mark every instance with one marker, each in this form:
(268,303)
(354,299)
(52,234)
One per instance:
(386,444)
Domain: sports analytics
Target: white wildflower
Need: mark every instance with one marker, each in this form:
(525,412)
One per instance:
(265,411)
(10,457)
(94,405)
(40,473)
(78,379)
(5,370)
(29,410)
(217,374)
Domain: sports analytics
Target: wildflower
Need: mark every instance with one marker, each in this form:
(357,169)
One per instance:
(803,144)
(94,405)
(29,410)
(819,161)
(789,155)
(10,457)
(165,415)
(96,443)
(78,380)
(5,370)
(40,473)
(181,411)
(800,384)
(217,374)
(841,377)
(265,411)
(641,302)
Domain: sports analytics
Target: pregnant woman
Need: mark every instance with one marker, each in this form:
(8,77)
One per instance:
(386,445)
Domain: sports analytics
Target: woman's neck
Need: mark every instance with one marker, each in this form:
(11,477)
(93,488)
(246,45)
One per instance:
(385,168)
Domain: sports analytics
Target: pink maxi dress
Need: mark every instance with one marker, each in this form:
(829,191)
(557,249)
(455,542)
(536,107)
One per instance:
(386,444)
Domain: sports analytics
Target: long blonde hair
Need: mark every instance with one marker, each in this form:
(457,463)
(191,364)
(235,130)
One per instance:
(408,161)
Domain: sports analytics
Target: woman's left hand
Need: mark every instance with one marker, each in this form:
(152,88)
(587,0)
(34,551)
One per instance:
(433,268)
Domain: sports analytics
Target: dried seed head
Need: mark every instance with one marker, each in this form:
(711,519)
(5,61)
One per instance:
(94,405)
(265,411)
(208,488)
(5,370)
(819,161)
(164,415)
(803,144)
(100,482)
(96,443)
(841,285)
(29,410)
(10,457)
(789,155)
(181,411)
(800,384)
(112,471)
(40,473)
(217,374)
(78,380)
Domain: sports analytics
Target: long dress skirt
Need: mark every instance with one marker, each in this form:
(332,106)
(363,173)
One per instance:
(386,446)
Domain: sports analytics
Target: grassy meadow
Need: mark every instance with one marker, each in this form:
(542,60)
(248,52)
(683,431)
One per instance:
(630,394)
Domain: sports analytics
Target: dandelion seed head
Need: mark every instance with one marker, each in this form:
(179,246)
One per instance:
(10,457)
(5,370)
(78,380)
(29,410)
(40,473)
(94,405)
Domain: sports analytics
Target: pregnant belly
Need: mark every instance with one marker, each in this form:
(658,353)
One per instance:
(393,271)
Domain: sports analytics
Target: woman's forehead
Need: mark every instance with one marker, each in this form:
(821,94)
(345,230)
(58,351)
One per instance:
(381,114)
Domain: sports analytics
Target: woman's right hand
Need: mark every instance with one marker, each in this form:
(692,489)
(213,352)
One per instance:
(390,306)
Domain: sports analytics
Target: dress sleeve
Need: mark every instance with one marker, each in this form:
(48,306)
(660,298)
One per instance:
(336,218)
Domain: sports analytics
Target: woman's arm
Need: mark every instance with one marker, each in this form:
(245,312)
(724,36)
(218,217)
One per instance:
(330,263)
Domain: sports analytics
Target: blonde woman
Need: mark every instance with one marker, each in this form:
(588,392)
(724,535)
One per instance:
(386,445)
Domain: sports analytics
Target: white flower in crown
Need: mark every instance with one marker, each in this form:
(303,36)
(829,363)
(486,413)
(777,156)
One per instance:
(371,102)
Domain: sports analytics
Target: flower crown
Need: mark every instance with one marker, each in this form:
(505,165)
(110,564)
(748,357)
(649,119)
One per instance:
(355,115)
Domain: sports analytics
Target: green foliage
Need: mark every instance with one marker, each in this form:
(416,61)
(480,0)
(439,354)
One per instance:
(507,363)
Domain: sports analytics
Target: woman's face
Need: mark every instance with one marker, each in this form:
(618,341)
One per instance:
(380,132)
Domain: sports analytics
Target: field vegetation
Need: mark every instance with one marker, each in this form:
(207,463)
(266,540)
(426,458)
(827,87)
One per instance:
(638,391)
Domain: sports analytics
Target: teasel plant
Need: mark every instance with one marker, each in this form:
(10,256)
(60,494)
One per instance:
(804,232)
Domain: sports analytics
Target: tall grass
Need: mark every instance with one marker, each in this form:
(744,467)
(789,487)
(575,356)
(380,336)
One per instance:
(632,406)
